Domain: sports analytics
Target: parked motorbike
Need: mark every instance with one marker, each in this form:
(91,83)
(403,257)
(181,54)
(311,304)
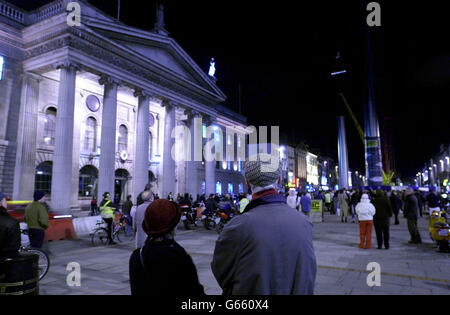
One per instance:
(222,219)
(188,217)
(209,219)
(440,230)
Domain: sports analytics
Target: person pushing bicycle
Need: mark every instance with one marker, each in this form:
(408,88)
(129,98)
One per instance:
(107,213)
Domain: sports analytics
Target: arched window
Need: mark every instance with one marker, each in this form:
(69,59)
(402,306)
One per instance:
(121,186)
(203,187)
(123,138)
(151,177)
(50,126)
(241,188)
(219,188)
(90,135)
(88,181)
(43,178)
(230,188)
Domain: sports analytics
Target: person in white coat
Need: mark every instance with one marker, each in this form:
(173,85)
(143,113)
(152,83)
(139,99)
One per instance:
(139,215)
(365,211)
(292,200)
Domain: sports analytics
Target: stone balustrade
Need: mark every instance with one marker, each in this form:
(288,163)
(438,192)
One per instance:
(12,12)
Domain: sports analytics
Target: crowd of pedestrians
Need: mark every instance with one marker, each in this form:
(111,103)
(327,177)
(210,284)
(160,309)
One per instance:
(264,227)
(374,209)
(268,227)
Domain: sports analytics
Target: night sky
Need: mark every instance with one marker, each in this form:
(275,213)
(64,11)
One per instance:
(282,54)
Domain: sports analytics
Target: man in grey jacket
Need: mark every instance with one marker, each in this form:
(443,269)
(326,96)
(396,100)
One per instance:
(268,250)
(411,213)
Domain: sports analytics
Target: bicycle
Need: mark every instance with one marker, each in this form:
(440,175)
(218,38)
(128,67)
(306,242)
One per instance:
(120,231)
(43,261)
(100,234)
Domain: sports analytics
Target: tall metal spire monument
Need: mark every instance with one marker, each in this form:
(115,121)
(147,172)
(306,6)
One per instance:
(374,165)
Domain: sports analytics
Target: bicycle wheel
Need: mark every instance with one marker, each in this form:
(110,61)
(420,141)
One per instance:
(99,237)
(122,236)
(43,262)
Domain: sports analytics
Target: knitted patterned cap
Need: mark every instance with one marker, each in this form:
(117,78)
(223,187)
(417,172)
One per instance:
(262,170)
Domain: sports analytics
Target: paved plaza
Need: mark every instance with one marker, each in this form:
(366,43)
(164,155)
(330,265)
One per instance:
(405,268)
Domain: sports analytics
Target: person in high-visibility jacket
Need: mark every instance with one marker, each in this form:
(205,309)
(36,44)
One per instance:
(107,212)
(243,203)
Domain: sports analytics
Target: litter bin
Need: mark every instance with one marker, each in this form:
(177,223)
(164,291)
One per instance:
(19,274)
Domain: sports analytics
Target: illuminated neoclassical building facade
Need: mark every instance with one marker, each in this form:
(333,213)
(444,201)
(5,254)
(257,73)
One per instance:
(91,108)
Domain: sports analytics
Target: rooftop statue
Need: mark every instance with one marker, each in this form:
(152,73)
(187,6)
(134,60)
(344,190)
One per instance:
(212,68)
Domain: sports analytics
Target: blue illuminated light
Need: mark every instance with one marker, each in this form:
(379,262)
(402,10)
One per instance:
(2,62)
(339,72)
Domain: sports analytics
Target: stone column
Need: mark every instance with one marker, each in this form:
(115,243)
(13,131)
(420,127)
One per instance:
(142,142)
(26,147)
(194,123)
(24,172)
(62,157)
(108,137)
(210,167)
(168,161)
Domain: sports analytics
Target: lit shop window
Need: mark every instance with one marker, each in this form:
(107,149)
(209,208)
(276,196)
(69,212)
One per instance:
(2,62)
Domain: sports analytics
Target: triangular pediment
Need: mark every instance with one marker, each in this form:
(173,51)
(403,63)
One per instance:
(160,50)
(161,56)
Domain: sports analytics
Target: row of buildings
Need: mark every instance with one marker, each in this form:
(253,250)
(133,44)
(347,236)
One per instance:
(304,170)
(436,173)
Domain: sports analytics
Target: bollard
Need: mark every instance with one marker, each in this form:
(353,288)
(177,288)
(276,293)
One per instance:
(19,274)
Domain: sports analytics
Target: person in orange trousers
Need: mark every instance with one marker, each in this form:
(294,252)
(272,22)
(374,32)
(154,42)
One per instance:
(365,211)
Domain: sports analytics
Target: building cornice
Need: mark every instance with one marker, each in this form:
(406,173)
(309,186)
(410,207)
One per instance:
(94,47)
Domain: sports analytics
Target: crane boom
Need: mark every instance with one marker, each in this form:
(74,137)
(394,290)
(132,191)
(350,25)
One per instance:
(355,121)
